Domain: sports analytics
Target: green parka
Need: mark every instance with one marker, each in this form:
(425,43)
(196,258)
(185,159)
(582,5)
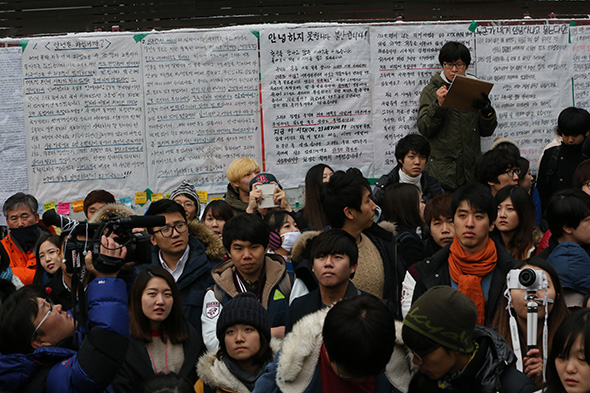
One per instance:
(454,137)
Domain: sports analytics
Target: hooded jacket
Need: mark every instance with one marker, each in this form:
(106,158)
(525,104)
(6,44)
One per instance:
(454,137)
(490,371)
(93,366)
(572,264)
(275,295)
(206,250)
(295,368)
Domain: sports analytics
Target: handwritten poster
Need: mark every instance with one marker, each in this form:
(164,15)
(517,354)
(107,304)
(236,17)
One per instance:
(531,67)
(316,100)
(84,110)
(403,59)
(202,106)
(13,146)
(580,36)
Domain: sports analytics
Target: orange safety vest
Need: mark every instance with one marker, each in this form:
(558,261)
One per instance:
(23,264)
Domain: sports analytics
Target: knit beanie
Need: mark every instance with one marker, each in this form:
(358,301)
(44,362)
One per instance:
(188,190)
(243,308)
(446,316)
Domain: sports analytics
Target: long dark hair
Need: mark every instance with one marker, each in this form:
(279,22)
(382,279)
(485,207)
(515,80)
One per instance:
(523,204)
(174,327)
(313,212)
(39,270)
(401,204)
(558,313)
(574,326)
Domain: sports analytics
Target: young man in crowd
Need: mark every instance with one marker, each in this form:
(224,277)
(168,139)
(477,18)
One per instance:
(453,353)
(497,169)
(239,173)
(568,215)
(95,200)
(347,349)
(24,227)
(454,134)
(249,269)
(439,218)
(40,348)
(559,162)
(347,202)
(335,258)
(411,153)
(188,252)
(473,263)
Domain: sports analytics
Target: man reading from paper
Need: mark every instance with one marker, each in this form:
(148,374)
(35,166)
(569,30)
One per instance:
(454,134)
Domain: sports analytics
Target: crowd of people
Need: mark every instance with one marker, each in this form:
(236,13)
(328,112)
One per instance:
(456,272)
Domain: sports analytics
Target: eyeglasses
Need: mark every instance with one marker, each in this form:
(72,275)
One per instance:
(421,356)
(181,227)
(450,66)
(512,172)
(187,204)
(45,317)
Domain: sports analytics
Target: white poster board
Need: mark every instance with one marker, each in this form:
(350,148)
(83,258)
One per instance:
(202,106)
(531,68)
(84,110)
(316,100)
(580,36)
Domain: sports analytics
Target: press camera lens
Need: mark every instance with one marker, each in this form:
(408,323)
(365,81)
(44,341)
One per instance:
(527,277)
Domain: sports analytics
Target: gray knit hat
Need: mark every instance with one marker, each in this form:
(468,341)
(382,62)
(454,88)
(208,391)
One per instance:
(243,308)
(188,190)
(445,316)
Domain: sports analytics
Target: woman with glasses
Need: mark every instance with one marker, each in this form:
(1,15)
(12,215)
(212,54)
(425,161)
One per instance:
(162,341)
(454,134)
(186,195)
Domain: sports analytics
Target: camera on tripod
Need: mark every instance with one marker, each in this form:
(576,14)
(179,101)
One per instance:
(528,279)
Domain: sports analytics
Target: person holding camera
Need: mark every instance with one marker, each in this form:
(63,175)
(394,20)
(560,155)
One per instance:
(537,279)
(44,349)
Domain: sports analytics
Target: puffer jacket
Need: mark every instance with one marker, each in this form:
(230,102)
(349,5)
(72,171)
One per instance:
(89,369)
(454,137)
(491,370)
(572,264)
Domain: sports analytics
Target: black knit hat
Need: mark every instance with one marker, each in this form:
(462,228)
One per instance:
(243,308)
(445,316)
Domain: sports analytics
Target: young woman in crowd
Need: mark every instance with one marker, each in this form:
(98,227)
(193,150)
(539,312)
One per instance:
(215,215)
(49,258)
(402,205)
(284,232)
(162,341)
(532,360)
(243,332)
(313,212)
(515,223)
(568,366)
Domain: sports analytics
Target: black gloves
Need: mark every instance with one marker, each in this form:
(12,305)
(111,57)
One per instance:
(484,105)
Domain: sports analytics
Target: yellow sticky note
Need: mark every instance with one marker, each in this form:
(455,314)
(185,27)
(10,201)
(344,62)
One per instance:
(168,195)
(202,196)
(216,198)
(78,206)
(49,206)
(140,198)
(157,197)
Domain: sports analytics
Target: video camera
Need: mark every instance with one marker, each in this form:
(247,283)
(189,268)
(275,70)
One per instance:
(86,237)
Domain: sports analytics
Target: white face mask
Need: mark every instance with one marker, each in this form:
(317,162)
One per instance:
(289,240)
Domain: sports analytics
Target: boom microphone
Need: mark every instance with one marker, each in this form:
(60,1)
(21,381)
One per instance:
(142,221)
(50,217)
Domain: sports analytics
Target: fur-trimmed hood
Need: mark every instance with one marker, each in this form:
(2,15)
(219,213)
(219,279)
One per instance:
(117,209)
(299,356)
(215,373)
(213,244)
